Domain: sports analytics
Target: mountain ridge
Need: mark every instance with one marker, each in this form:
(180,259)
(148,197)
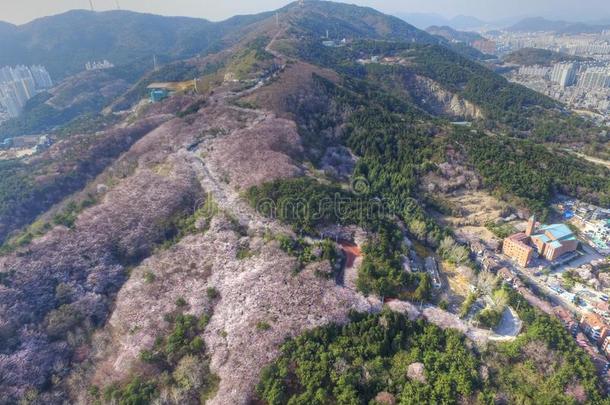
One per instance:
(65,42)
(156,267)
(533,24)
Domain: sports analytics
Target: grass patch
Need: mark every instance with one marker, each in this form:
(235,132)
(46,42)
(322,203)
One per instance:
(500,230)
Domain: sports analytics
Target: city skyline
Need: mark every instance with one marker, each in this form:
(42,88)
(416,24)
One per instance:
(587,10)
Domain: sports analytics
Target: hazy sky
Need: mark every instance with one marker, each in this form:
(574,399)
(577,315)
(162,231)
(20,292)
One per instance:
(20,11)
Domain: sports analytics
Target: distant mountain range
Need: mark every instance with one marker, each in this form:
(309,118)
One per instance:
(451,34)
(562,27)
(514,24)
(65,42)
(425,20)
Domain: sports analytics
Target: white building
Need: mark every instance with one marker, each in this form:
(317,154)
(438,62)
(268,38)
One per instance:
(595,78)
(98,65)
(564,74)
(19,84)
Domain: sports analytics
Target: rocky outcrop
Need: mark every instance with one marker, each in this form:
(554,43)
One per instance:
(435,99)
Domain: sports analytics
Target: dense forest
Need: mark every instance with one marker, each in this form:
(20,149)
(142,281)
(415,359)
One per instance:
(369,359)
(385,358)
(508,107)
(544,364)
(532,172)
(308,205)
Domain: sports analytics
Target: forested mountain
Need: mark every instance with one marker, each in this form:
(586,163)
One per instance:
(255,236)
(459,22)
(355,22)
(537,56)
(6,29)
(454,35)
(65,42)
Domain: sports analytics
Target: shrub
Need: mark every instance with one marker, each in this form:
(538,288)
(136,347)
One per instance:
(262,326)
(212,293)
(59,321)
(489,317)
(467,304)
(149,277)
(136,392)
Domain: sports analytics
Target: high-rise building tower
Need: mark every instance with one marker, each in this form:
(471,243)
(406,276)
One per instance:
(564,74)
(19,84)
(568,75)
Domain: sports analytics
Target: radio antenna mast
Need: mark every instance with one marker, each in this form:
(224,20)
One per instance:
(118,6)
(91,4)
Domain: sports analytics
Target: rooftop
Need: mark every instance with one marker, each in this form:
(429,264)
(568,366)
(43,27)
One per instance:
(518,236)
(558,231)
(594,321)
(164,86)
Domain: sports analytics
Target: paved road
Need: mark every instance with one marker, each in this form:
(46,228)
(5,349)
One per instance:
(510,324)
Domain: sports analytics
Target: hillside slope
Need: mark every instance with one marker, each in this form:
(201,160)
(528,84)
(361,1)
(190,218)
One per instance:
(232,216)
(65,42)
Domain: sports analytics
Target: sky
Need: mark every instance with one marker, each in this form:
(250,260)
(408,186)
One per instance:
(21,11)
